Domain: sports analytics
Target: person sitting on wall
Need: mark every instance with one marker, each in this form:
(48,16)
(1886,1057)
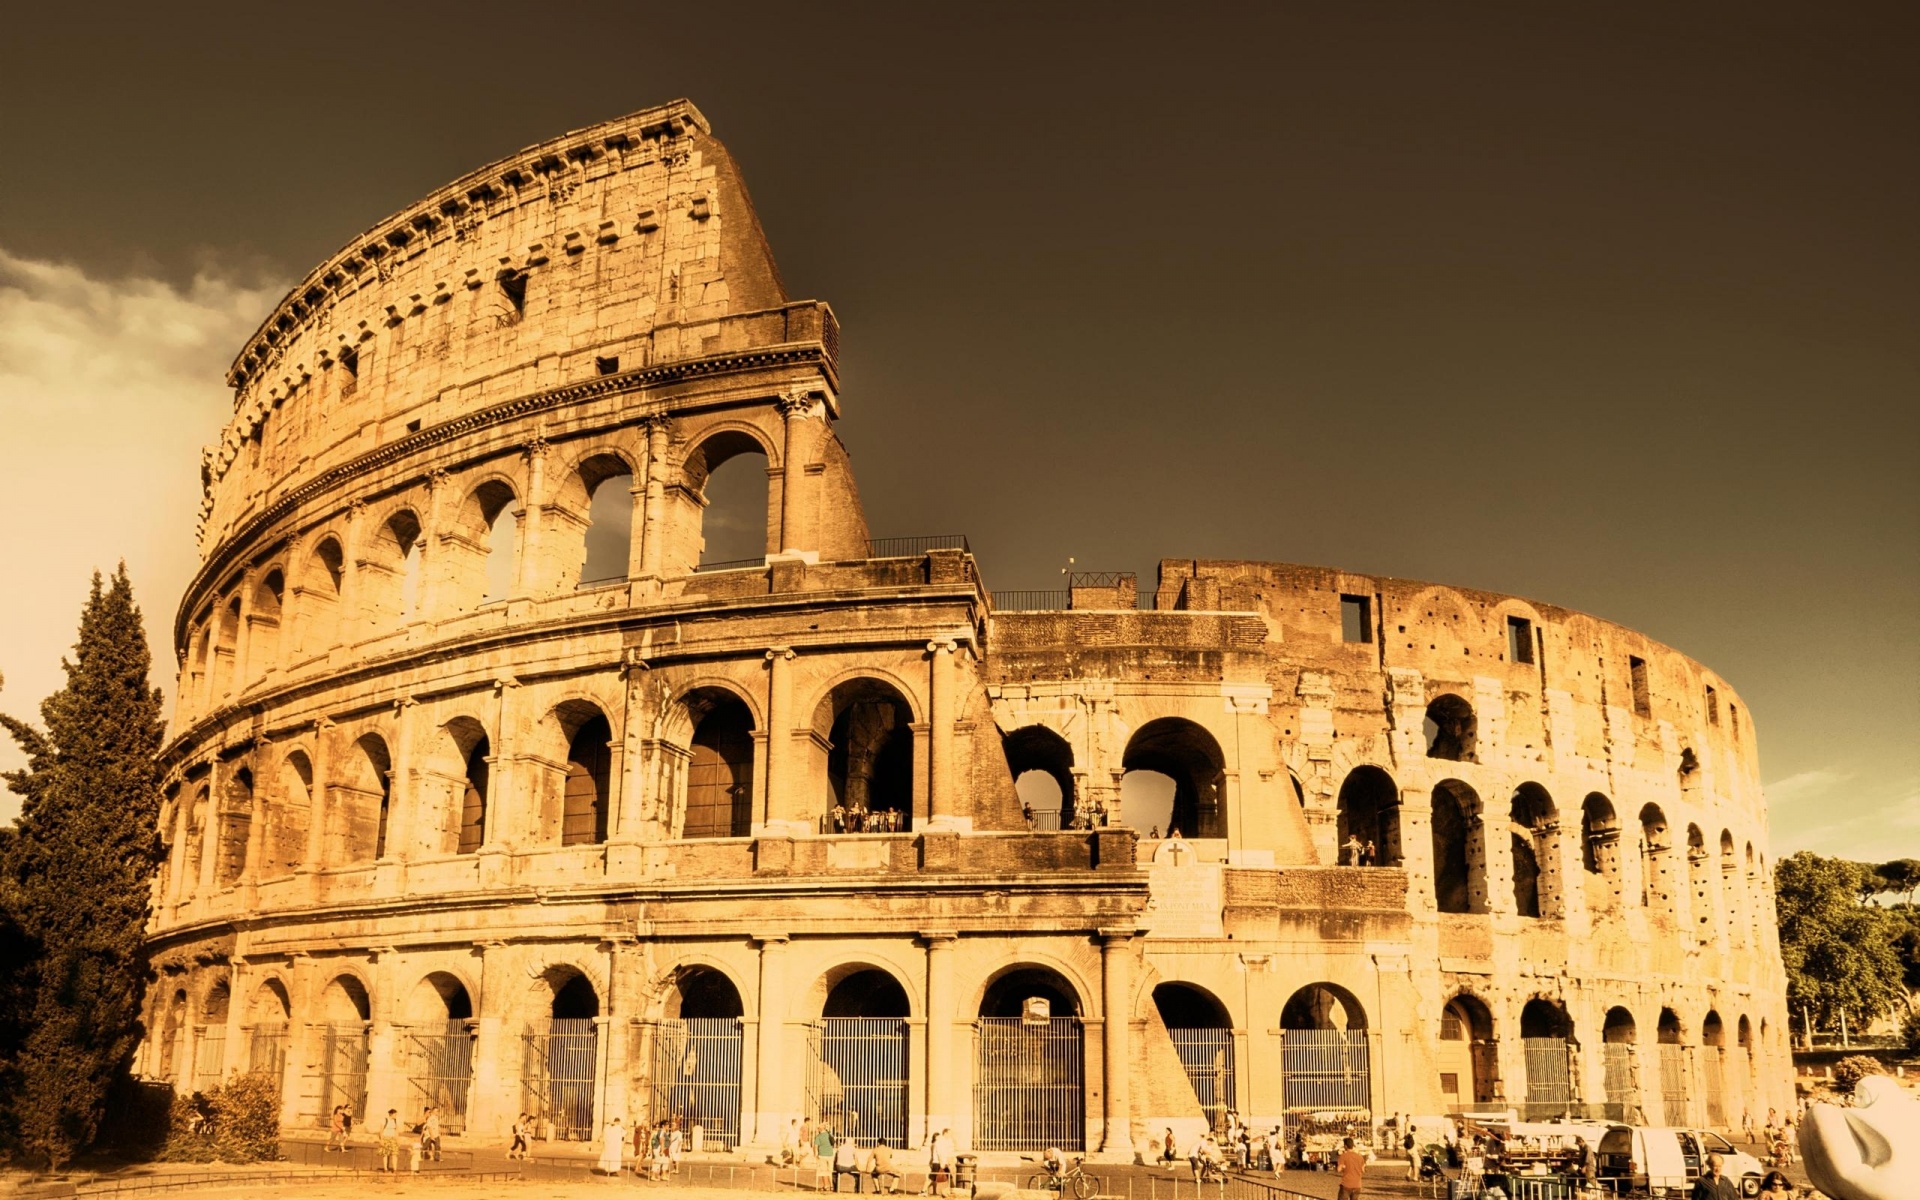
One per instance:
(886,1176)
(846,1161)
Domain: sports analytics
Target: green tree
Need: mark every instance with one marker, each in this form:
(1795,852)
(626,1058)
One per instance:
(1900,875)
(77,874)
(1838,951)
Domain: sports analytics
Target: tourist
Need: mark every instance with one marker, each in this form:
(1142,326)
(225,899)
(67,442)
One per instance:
(613,1144)
(1353,1168)
(886,1177)
(517,1148)
(846,1161)
(1169,1153)
(337,1129)
(1026,813)
(1776,1185)
(1351,851)
(390,1141)
(430,1135)
(790,1144)
(823,1144)
(1713,1183)
(1154,833)
(676,1142)
(1411,1145)
(1369,856)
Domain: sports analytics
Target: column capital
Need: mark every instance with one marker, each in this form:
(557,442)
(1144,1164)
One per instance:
(783,653)
(766,939)
(1118,936)
(939,939)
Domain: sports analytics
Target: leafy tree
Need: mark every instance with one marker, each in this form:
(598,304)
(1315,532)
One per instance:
(76,877)
(1838,952)
(1900,875)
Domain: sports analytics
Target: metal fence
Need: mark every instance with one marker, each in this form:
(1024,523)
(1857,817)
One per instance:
(1048,600)
(209,1056)
(557,1075)
(731,564)
(1027,1092)
(343,1070)
(1622,1081)
(1207,1055)
(1673,1084)
(1713,1067)
(696,1077)
(910,547)
(1325,1081)
(857,1078)
(439,1073)
(1550,1076)
(267,1052)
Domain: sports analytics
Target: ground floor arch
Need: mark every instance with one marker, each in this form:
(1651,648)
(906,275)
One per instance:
(561,1056)
(1326,1078)
(1468,1057)
(436,1045)
(1202,1034)
(1552,1058)
(1029,1063)
(857,1057)
(1674,1084)
(345,1014)
(698,1056)
(1618,1035)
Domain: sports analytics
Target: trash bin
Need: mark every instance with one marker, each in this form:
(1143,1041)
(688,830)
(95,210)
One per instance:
(966,1169)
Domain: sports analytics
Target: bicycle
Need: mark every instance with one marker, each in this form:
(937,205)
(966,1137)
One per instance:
(1070,1181)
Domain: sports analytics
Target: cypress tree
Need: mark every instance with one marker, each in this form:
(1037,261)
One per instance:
(77,877)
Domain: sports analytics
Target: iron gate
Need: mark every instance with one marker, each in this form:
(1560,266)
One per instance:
(1027,1093)
(1550,1074)
(696,1076)
(1623,1086)
(439,1072)
(1207,1055)
(1713,1065)
(267,1052)
(1673,1084)
(557,1076)
(857,1077)
(1325,1082)
(343,1071)
(209,1052)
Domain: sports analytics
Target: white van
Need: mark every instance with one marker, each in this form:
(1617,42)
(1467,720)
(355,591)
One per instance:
(1665,1162)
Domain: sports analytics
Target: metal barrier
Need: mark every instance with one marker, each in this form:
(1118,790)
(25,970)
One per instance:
(696,1076)
(267,1052)
(209,1054)
(1051,600)
(343,1071)
(1622,1077)
(1028,1094)
(1207,1055)
(1713,1066)
(912,547)
(857,1077)
(439,1073)
(1324,1081)
(731,564)
(1673,1084)
(557,1077)
(1549,1077)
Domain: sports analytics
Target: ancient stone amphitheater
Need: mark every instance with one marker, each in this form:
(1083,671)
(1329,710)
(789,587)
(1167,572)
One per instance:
(491,789)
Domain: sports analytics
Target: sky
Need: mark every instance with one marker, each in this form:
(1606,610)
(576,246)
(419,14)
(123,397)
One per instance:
(1614,307)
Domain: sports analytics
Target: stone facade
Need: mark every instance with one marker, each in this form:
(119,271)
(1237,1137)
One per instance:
(484,792)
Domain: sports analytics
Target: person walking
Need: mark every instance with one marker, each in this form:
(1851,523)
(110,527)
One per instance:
(390,1141)
(1353,1171)
(1713,1183)
(430,1135)
(337,1129)
(613,1145)
(518,1147)
(1411,1145)
(1169,1153)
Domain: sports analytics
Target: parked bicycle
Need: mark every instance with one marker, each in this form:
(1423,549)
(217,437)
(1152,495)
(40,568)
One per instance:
(1069,1180)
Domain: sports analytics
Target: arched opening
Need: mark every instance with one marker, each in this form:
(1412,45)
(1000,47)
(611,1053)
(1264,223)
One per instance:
(1468,1058)
(727,478)
(720,771)
(267,1019)
(284,842)
(476,751)
(173,1031)
(1041,763)
(1535,830)
(192,844)
(437,1048)
(345,1011)
(1746,1069)
(226,643)
(1700,876)
(561,1055)
(869,758)
(390,570)
(1546,1037)
(210,1037)
(1656,862)
(1029,1058)
(1730,889)
(1450,728)
(1369,819)
(263,626)
(697,1054)
(235,826)
(479,553)
(1618,1034)
(857,1059)
(1674,1087)
(1188,755)
(360,802)
(607,482)
(1325,1064)
(318,592)
(1202,1035)
(587,786)
(1459,851)
(1713,1069)
(1600,851)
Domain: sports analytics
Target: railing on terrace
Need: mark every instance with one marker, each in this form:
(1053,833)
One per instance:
(1099,579)
(909,547)
(731,564)
(1054,600)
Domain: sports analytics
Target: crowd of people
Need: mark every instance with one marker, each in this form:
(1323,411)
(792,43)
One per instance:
(806,1145)
(420,1141)
(867,820)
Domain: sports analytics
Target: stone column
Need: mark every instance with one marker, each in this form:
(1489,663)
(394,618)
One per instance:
(652,545)
(300,1037)
(770,1090)
(1116,990)
(386,1075)
(780,811)
(494,1095)
(210,832)
(942,1091)
(431,592)
(533,515)
(796,499)
(261,754)
(345,625)
(942,789)
(622,1009)
(242,636)
(317,806)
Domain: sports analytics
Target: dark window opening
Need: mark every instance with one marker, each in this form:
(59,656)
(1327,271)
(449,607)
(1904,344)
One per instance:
(413,426)
(350,361)
(589,763)
(1713,706)
(720,773)
(1356,619)
(606,366)
(513,285)
(1642,698)
(473,803)
(1519,640)
(1451,729)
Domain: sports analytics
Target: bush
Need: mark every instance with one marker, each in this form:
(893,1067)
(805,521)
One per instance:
(237,1122)
(189,1129)
(1849,1071)
(1910,1031)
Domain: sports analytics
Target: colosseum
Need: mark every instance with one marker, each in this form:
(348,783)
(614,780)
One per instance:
(490,788)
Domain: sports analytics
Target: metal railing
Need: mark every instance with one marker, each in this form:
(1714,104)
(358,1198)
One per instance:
(1325,1081)
(343,1071)
(439,1073)
(857,1078)
(1550,1090)
(731,564)
(209,1053)
(1054,600)
(1622,1080)
(1101,579)
(1029,1095)
(696,1076)
(558,1077)
(911,547)
(1673,1084)
(1207,1055)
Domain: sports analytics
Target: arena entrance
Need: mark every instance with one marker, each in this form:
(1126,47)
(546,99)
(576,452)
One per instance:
(1029,1058)
(344,1043)
(1617,1037)
(697,1051)
(559,1060)
(438,1050)
(1673,1070)
(1468,1058)
(1325,1070)
(1202,1035)
(857,1060)
(1546,1039)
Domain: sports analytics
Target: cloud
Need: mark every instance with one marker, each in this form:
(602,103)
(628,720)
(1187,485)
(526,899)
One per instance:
(108,389)
(1805,785)
(1832,811)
